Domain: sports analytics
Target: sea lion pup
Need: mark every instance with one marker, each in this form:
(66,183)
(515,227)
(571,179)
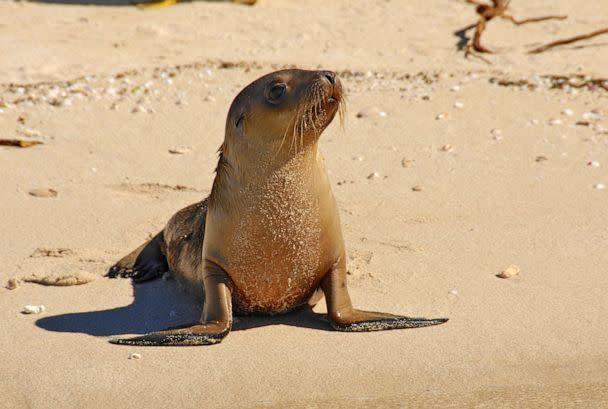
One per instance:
(268,238)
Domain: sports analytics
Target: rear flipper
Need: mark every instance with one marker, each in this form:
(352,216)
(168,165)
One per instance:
(365,321)
(145,263)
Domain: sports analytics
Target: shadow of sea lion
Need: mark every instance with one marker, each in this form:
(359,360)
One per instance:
(158,305)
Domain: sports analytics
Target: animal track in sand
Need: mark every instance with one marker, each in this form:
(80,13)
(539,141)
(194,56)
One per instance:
(52,252)
(357,265)
(400,245)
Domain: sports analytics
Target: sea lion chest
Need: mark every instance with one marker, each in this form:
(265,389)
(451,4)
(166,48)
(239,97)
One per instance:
(273,249)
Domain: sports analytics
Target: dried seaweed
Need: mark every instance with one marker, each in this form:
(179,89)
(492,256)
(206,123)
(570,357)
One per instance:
(568,40)
(487,12)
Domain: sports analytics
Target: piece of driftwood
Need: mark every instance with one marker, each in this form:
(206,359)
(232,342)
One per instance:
(19,143)
(486,12)
(570,40)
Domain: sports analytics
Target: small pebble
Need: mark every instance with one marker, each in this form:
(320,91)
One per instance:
(442,115)
(179,150)
(593,164)
(446,148)
(417,188)
(374,175)
(138,108)
(455,88)
(568,112)
(12,283)
(407,163)
(458,105)
(511,271)
(496,134)
(30,133)
(592,116)
(453,291)
(555,121)
(371,112)
(541,158)
(33,309)
(209,98)
(358,158)
(135,356)
(43,192)
(599,186)
(600,129)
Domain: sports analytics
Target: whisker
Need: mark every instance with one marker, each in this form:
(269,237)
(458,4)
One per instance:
(284,136)
(342,108)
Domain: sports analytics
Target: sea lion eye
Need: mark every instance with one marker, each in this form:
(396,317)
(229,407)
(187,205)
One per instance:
(276,92)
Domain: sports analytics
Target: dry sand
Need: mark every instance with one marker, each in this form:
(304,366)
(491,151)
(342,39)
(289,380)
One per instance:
(111,90)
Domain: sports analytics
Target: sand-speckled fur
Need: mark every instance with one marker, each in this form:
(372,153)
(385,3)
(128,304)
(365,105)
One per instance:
(269,235)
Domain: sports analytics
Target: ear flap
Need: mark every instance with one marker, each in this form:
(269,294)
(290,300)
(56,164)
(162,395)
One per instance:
(239,122)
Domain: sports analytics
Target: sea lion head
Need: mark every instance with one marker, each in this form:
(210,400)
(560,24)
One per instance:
(290,108)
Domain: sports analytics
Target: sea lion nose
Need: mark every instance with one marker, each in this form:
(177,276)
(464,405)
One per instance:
(331,76)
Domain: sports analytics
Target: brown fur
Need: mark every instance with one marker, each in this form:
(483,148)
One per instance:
(268,238)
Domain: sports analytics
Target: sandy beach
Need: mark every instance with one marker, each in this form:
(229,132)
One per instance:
(447,171)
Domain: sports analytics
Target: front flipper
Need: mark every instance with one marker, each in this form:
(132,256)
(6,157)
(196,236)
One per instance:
(201,334)
(215,324)
(366,321)
(343,317)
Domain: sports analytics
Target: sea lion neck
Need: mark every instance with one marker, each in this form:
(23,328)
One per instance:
(261,163)
(256,171)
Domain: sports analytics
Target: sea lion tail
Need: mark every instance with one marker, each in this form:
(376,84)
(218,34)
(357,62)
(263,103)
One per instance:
(145,263)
